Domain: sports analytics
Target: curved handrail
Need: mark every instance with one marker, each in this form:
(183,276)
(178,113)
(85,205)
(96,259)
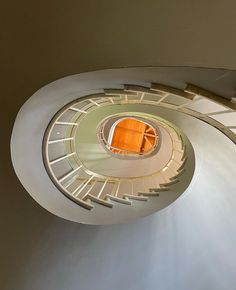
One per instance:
(136,94)
(73,125)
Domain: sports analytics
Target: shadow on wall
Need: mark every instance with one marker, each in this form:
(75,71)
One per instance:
(167,250)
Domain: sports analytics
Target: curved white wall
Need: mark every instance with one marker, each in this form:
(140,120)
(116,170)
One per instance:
(189,245)
(27,139)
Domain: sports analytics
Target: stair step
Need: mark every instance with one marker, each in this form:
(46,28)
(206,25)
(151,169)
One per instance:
(118,199)
(163,185)
(135,197)
(182,165)
(148,193)
(172,91)
(177,175)
(82,203)
(138,89)
(118,92)
(184,153)
(100,201)
(159,189)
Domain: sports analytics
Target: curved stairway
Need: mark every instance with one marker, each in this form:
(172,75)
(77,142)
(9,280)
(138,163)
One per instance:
(84,185)
(77,158)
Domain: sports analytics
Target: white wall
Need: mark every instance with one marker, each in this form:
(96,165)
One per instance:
(190,245)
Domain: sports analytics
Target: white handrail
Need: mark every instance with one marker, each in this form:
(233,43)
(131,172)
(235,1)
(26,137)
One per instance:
(191,93)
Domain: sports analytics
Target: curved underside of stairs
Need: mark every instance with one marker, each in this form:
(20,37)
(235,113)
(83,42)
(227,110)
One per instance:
(95,187)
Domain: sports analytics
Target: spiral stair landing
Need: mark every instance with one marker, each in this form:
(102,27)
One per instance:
(77,158)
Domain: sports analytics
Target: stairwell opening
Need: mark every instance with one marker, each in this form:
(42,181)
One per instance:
(129,136)
(132,136)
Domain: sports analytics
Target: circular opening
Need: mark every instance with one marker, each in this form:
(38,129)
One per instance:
(129,136)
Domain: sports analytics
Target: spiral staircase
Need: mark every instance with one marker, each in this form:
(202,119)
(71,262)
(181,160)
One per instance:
(104,184)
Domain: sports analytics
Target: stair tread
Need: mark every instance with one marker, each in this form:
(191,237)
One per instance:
(98,200)
(159,189)
(182,165)
(118,199)
(163,185)
(177,175)
(83,203)
(135,197)
(118,92)
(149,193)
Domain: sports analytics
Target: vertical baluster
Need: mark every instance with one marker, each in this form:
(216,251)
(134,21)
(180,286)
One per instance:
(117,189)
